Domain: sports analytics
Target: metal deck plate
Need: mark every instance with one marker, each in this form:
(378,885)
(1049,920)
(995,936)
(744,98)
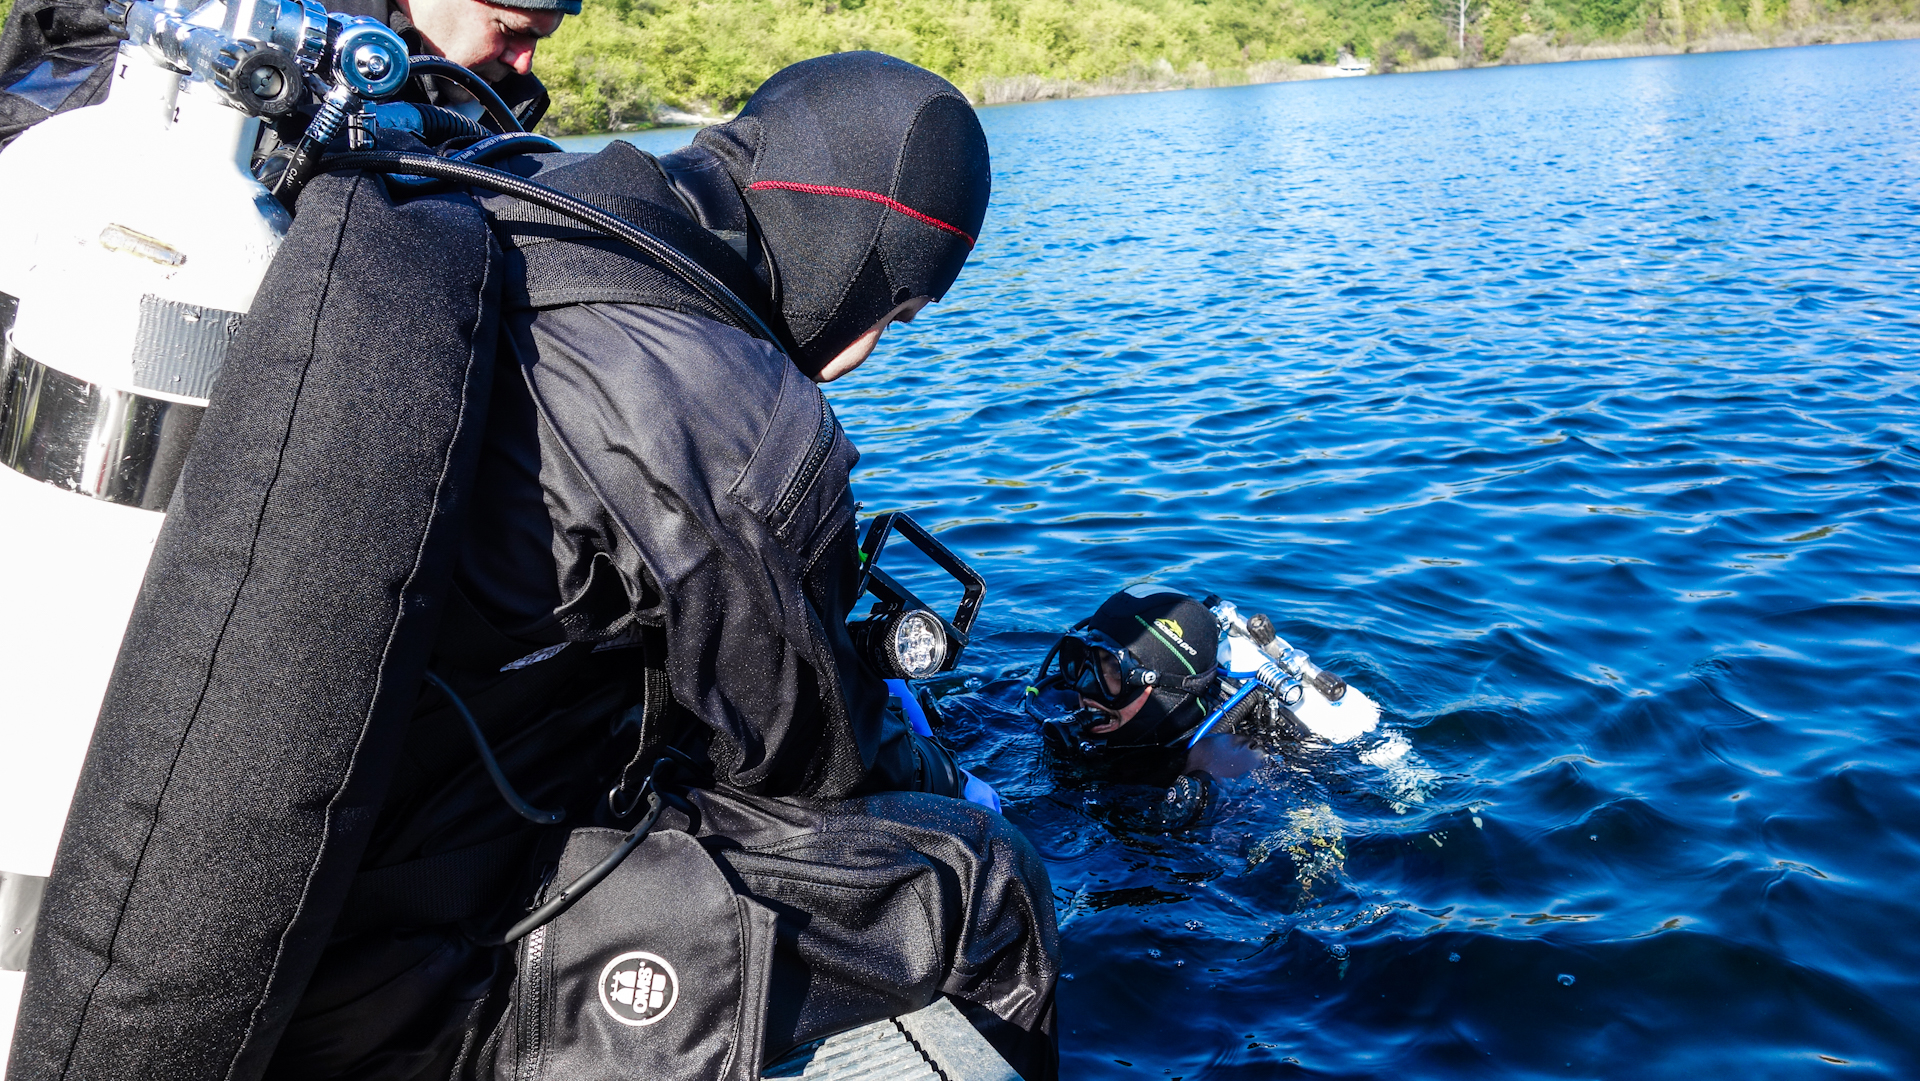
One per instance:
(933,1044)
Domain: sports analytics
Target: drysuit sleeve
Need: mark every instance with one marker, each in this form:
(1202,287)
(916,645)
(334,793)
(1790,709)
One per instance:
(697,466)
(55,56)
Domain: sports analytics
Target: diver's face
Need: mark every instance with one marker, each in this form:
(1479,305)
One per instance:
(490,40)
(856,354)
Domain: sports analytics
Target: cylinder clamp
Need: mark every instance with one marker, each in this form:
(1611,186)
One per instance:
(19,913)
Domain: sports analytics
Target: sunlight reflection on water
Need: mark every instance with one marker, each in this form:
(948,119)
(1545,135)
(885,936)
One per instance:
(1570,411)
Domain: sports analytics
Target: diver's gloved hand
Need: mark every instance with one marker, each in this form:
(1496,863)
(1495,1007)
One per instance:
(936,762)
(1144,809)
(942,776)
(1227,755)
(938,773)
(980,792)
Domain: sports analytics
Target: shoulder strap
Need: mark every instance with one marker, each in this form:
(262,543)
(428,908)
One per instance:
(553,261)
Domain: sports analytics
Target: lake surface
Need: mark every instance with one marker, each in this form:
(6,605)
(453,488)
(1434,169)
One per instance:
(1571,412)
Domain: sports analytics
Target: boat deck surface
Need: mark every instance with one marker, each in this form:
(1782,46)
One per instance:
(933,1044)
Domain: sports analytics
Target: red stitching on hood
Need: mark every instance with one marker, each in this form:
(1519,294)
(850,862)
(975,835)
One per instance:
(856,193)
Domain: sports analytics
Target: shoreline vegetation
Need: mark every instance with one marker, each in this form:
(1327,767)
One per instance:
(624,65)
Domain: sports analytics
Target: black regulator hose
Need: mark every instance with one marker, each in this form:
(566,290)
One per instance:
(439,124)
(507,792)
(441,68)
(479,176)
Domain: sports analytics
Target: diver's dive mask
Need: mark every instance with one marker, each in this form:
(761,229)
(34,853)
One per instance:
(1100,669)
(1095,670)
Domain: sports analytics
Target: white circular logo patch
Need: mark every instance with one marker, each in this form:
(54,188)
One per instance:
(638,988)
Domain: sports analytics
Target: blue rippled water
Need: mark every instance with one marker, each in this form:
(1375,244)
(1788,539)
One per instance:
(1568,410)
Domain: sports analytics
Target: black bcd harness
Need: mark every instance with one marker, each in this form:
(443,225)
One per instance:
(261,704)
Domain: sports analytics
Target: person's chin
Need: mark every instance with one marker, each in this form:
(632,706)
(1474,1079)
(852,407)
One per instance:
(491,70)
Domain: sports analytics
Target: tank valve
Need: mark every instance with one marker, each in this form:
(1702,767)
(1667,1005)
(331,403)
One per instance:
(1295,661)
(258,80)
(369,63)
(257,77)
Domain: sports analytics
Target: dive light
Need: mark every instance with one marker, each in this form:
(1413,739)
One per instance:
(902,637)
(909,643)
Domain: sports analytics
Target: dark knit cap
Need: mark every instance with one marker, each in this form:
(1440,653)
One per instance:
(868,180)
(564,7)
(1163,628)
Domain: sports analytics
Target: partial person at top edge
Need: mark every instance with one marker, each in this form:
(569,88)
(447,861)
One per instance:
(1182,698)
(55,55)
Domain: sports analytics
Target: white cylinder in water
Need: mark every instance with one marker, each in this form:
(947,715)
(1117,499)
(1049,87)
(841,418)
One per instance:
(133,237)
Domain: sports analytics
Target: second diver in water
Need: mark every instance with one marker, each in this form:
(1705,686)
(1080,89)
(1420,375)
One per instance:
(1178,695)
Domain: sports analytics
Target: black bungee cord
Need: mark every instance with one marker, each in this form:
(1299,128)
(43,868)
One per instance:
(498,180)
(573,891)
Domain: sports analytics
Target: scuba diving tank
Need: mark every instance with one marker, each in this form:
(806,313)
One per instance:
(133,237)
(1321,703)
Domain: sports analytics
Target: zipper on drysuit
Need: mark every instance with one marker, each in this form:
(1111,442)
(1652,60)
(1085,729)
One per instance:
(532,1008)
(809,470)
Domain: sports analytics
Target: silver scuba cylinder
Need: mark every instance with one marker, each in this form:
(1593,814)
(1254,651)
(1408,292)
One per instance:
(134,240)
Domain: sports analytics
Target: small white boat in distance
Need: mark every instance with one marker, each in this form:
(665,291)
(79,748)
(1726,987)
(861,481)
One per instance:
(1351,65)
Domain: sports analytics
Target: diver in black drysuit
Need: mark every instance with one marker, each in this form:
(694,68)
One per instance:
(647,536)
(56,56)
(648,475)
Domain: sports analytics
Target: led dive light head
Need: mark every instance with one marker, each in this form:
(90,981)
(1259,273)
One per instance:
(902,637)
(903,644)
(919,645)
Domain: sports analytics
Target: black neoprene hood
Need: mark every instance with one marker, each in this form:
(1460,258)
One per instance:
(1174,635)
(868,179)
